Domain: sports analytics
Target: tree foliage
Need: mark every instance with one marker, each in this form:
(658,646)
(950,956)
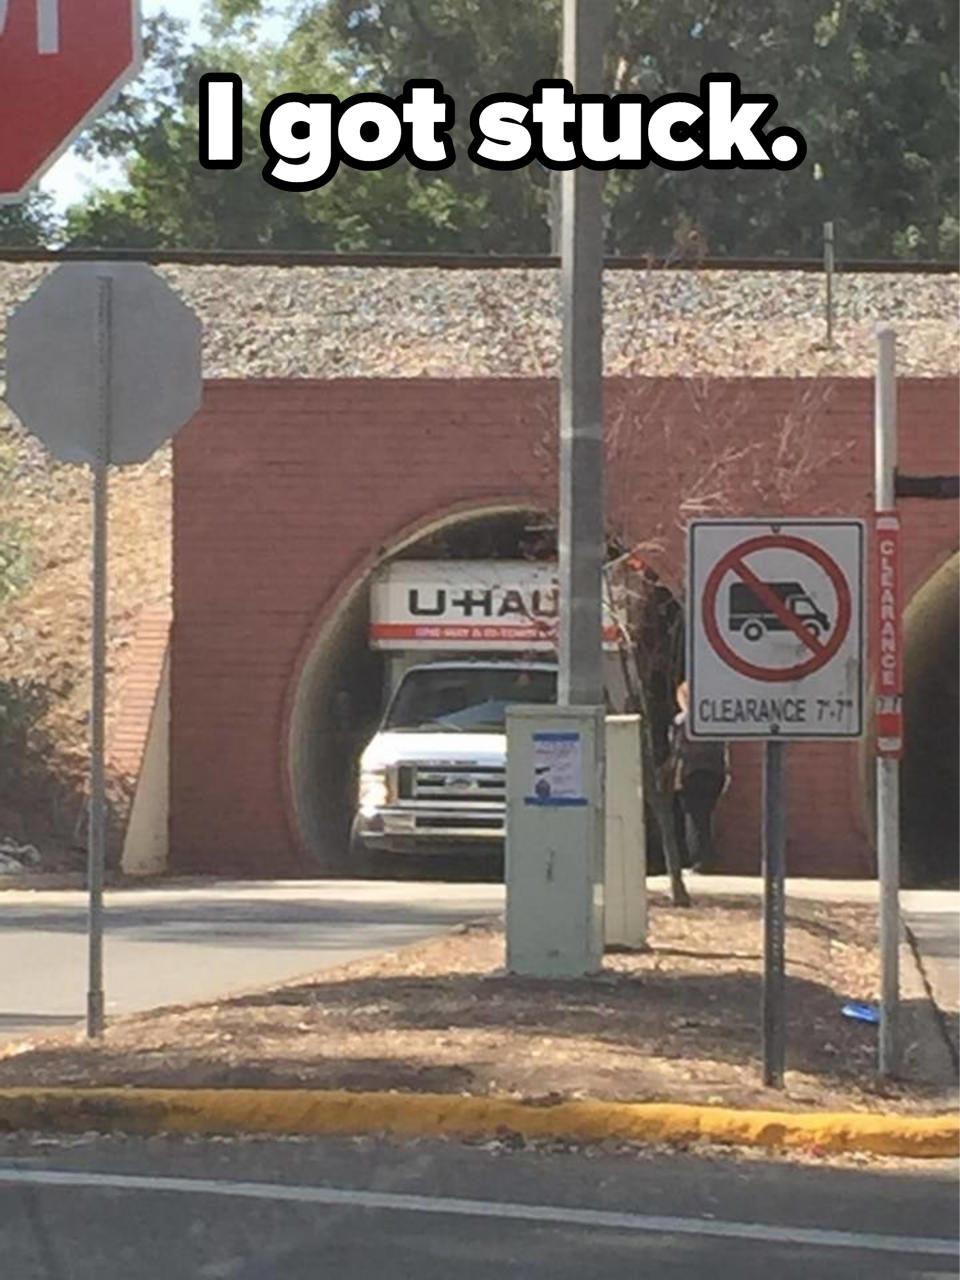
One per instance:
(872,84)
(170,200)
(28,225)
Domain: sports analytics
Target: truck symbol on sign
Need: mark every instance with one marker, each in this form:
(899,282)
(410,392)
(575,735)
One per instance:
(754,617)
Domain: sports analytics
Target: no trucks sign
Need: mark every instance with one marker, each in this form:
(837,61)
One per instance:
(775,630)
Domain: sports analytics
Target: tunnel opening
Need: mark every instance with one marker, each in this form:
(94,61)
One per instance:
(342,685)
(930,772)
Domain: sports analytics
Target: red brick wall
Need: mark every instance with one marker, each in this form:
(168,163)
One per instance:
(138,691)
(284,491)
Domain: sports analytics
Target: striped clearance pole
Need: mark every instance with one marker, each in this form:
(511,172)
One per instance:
(889,714)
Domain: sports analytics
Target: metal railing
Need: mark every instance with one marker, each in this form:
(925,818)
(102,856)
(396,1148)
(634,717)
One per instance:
(457,261)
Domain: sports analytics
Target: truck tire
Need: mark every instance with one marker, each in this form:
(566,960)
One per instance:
(365,864)
(753,630)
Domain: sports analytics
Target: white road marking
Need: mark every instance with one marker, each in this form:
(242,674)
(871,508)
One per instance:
(805,1237)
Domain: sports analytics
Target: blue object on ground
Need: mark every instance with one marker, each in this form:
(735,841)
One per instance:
(861,1012)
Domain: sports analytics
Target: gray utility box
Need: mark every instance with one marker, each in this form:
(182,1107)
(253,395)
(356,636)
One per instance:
(554,858)
(625,869)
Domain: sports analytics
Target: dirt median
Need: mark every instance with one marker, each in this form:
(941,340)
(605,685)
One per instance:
(678,1022)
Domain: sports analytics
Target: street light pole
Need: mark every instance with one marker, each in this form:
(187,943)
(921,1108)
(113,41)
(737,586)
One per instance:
(582,541)
(556,781)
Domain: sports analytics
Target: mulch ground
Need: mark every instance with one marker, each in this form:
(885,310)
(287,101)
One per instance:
(677,1022)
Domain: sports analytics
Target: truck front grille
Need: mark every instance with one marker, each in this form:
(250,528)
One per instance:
(454,784)
(455,824)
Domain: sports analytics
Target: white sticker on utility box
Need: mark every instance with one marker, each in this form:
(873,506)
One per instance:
(775,628)
(557,769)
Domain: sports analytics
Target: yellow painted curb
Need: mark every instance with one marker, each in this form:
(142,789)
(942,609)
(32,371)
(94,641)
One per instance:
(290,1111)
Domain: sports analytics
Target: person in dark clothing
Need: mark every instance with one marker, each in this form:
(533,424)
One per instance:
(700,779)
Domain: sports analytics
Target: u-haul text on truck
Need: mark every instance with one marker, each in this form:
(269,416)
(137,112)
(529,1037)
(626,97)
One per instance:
(463,604)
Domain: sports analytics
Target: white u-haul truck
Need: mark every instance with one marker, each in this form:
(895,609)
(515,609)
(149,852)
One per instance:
(462,640)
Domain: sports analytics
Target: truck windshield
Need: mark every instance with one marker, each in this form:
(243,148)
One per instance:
(466,700)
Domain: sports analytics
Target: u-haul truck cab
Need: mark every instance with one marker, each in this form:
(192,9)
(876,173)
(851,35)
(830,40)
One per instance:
(463,640)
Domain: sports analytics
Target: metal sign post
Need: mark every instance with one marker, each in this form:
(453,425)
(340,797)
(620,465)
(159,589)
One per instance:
(774,915)
(888,764)
(97,846)
(103,366)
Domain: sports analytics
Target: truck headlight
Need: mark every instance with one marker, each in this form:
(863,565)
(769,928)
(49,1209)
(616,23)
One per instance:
(375,791)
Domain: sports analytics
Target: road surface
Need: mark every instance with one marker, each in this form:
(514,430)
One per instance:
(99,1209)
(183,943)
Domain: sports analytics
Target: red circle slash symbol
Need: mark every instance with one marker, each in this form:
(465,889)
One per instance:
(734,561)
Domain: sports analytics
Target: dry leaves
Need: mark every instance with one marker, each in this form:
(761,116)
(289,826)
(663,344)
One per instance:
(679,1022)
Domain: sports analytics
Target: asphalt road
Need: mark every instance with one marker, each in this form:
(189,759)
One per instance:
(182,943)
(102,1209)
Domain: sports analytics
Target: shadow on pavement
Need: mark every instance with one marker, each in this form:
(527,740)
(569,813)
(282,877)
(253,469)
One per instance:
(310,925)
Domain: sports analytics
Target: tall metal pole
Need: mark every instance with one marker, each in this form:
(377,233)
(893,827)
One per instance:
(98,791)
(888,770)
(774,916)
(582,524)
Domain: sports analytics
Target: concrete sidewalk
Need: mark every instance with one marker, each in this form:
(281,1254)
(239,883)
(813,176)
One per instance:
(933,921)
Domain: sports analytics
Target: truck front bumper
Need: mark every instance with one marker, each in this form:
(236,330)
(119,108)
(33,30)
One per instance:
(435,829)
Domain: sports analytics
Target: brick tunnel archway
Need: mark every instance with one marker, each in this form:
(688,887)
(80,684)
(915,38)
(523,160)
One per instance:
(930,768)
(336,694)
(929,773)
(284,491)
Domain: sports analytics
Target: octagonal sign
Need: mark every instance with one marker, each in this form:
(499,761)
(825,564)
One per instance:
(104,342)
(61,61)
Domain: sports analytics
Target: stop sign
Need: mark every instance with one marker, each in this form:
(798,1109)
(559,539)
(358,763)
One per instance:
(60,63)
(56,366)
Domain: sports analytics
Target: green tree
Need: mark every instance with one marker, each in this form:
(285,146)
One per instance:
(872,84)
(170,200)
(30,224)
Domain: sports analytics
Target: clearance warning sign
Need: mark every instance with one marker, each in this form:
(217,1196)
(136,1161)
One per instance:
(887,597)
(775,630)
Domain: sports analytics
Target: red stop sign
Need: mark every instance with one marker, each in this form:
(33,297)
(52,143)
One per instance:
(60,63)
